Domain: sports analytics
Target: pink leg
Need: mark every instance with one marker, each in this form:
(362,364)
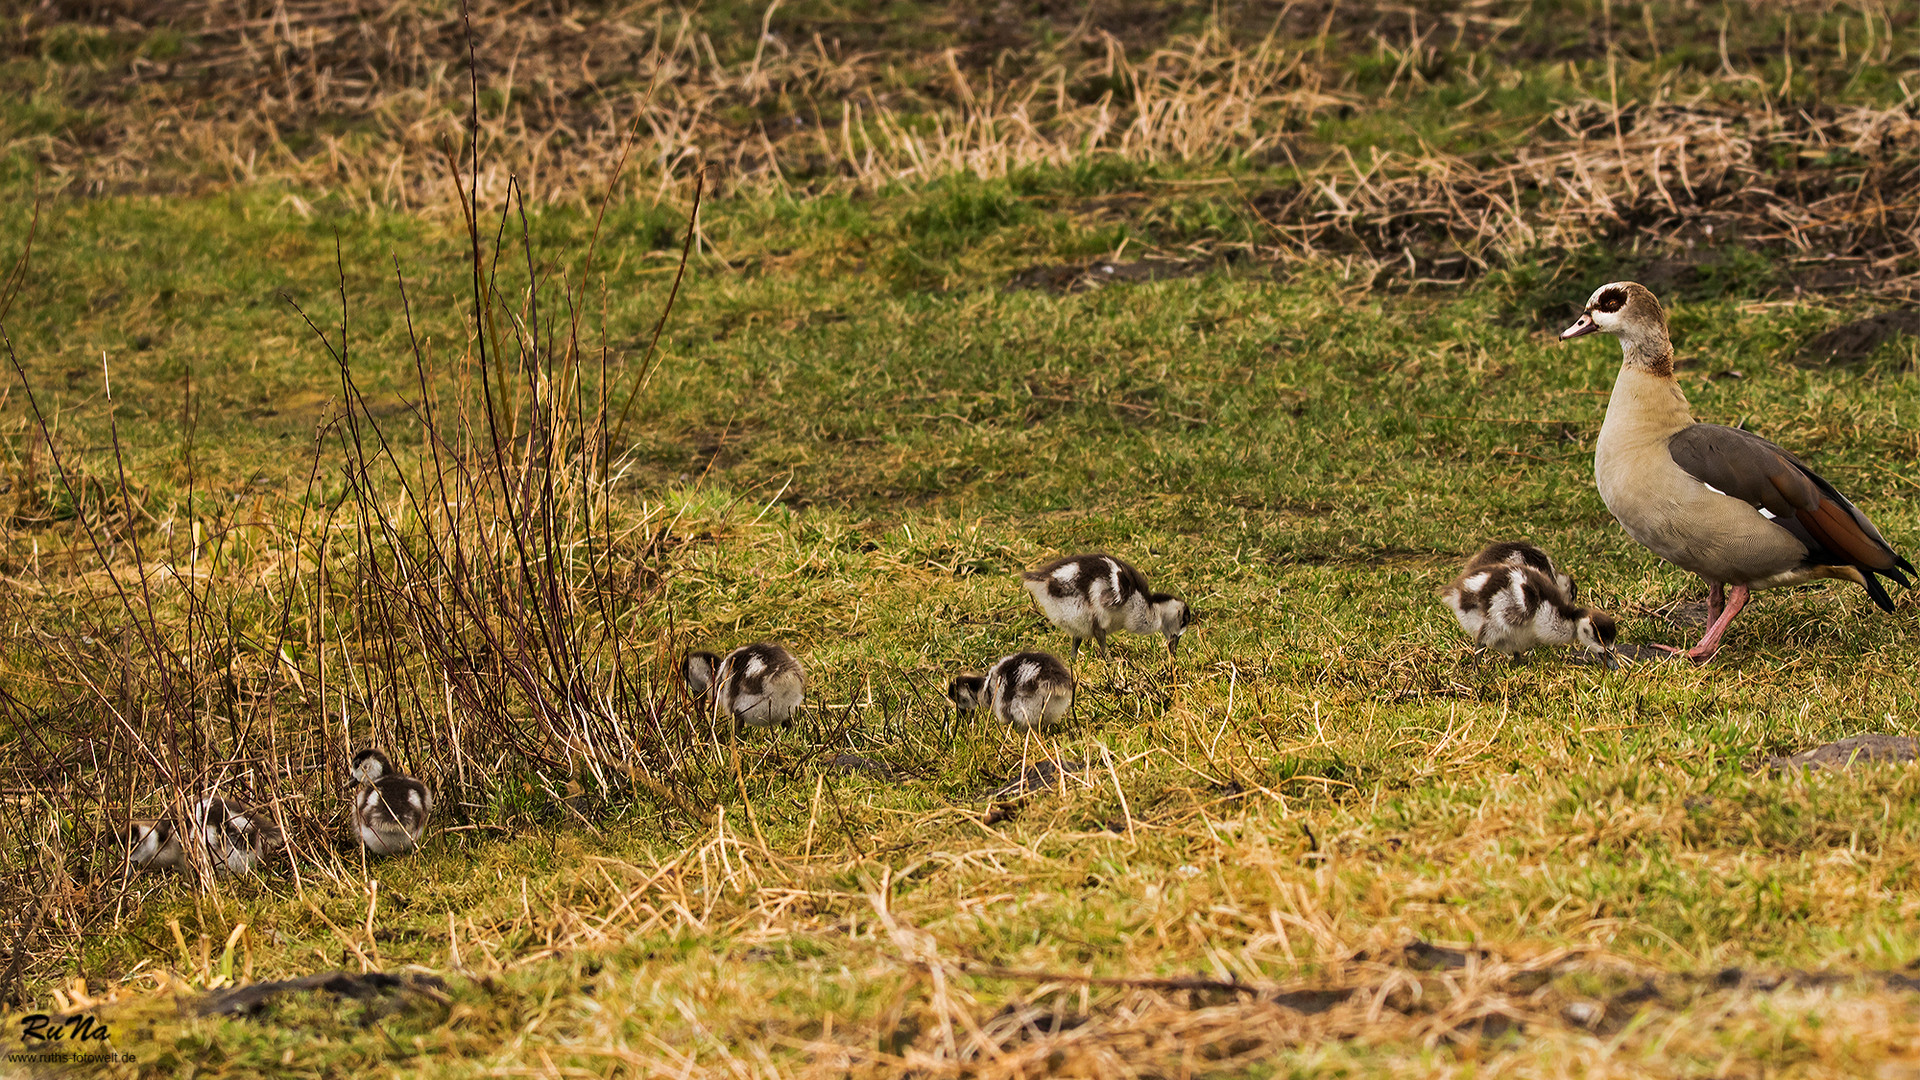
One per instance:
(1711,642)
(1716,600)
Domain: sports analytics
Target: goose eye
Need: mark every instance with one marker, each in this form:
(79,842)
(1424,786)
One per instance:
(1611,302)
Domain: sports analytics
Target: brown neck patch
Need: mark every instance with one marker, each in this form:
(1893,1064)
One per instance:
(1655,361)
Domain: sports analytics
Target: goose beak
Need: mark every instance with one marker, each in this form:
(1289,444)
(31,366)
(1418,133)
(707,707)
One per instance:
(1581,326)
(1613,660)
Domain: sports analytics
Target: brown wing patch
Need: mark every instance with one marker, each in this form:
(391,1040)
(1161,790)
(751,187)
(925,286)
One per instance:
(1836,529)
(1793,486)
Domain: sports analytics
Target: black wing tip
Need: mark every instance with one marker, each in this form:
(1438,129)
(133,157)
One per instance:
(1878,592)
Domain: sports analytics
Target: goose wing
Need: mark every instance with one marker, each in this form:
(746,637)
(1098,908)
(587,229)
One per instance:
(1782,487)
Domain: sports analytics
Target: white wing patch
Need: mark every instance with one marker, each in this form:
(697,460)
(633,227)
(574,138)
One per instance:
(1711,488)
(1765,513)
(755,666)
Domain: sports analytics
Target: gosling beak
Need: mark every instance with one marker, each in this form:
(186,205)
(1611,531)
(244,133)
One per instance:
(1582,326)
(1173,648)
(1613,660)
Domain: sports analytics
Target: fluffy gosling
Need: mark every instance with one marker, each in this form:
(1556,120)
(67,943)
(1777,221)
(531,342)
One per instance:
(391,809)
(1025,690)
(1512,609)
(1091,596)
(153,845)
(756,685)
(238,838)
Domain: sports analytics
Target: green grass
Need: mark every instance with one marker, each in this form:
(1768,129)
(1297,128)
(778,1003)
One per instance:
(857,435)
(1305,461)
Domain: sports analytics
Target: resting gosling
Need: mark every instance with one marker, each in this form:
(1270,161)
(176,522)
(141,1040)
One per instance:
(237,838)
(1091,596)
(391,809)
(1026,690)
(757,685)
(1739,511)
(153,845)
(1521,553)
(1513,608)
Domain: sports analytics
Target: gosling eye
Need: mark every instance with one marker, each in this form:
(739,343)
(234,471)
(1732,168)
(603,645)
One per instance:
(1612,300)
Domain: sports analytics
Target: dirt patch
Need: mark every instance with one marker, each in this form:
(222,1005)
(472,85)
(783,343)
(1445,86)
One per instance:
(850,764)
(1073,278)
(1857,340)
(1678,612)
(1037,777)
(1848,753)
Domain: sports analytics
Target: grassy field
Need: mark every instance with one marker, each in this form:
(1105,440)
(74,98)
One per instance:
(1261,298)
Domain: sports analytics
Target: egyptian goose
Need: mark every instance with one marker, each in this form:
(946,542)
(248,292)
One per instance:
(153,845)
(1026,690)
(1730,506)
(1091,596)
(1521,553)
(237,838)
(757,685)
(1511,609)
(391,809)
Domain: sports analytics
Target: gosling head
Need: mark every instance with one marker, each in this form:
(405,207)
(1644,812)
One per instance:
(1626,309)
(1596,632)
(697,669)
(1174,617)
(967,692)
(369,766)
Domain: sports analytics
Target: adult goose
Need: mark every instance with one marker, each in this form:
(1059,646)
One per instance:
(1732,507)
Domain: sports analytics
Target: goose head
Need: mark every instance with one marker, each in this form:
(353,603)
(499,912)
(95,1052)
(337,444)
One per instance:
(1626,309)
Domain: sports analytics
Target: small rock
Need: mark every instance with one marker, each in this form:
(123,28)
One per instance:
(1858,750)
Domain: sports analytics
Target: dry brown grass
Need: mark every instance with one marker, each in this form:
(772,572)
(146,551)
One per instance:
(363,102)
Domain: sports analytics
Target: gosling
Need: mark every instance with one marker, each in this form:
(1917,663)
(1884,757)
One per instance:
(238,839)
(757,685)
(1091,596)
(1512,609)
(1026,690)
(153,845)
(391,809)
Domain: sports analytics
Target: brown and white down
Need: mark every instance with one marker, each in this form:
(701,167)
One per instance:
(1091,596)
(1024,690)
(1512,609)
(757,685)
(391,809)
(1727,505)
(153,845)
(1522,553)
(238,838)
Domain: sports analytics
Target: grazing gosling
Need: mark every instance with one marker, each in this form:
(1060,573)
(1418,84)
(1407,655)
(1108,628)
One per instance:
(238,839)
(757,685)
(1513,608)
(1026,690)
(391,809)
(1521,553)
(1091,596)
(153,845)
